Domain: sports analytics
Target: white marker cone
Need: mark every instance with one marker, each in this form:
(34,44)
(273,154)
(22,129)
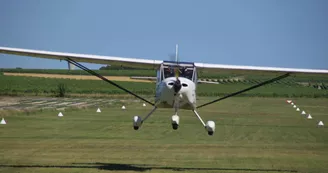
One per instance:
(123,107)
(60,114)
(288,101)
(309,117)
(3,121)
(303,113)
(320,123)
(98,110)
(292,103)
(298,109)
(144,105)
(294,106)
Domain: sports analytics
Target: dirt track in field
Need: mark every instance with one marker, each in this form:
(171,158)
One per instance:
(77,77)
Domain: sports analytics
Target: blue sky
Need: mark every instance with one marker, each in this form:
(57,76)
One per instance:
(280,33)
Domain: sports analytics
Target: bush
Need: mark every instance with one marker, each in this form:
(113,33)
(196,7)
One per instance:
(61,90)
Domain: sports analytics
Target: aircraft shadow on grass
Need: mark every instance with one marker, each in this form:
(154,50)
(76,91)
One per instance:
(138,167)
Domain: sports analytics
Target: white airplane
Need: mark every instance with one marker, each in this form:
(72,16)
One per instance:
(176,82)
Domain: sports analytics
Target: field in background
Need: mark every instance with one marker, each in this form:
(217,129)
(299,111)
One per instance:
(252,135)
(21,85)
(223,76)
(77,77)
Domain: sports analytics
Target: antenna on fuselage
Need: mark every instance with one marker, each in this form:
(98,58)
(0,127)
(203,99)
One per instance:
(177,84)
(176,68)
(176,53)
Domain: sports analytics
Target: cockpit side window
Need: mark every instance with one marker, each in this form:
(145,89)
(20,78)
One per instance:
(168,72)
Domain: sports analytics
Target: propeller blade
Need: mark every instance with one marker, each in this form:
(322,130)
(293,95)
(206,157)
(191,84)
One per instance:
(176,72)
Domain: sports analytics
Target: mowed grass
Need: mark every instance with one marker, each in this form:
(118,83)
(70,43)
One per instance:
(252,135)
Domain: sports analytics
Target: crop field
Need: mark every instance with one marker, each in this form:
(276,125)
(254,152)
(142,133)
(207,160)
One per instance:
(227,77)
(22,85)
(77,77)
(252,135)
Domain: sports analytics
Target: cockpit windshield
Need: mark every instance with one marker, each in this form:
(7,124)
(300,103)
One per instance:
(185,72)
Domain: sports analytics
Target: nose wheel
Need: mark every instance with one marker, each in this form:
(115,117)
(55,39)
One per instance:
(175,126)
(175,122)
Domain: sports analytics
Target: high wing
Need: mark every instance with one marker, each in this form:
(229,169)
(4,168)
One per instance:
(237,69)
(97,59)
(154,64)
(75,58)
(279,73)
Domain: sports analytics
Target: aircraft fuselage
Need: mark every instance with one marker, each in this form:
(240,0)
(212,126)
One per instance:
(166,96)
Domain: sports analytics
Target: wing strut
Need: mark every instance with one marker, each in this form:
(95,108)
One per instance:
(247,89)
(106,80)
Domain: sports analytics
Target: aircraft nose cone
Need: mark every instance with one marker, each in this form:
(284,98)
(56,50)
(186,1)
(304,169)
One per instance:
(177,86)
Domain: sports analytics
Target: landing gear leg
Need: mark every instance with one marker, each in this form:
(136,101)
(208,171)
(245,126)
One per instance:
(209,126)
(137,120)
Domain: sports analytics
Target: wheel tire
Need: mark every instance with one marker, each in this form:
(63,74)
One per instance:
(175,126)
(135,127)
(210,133)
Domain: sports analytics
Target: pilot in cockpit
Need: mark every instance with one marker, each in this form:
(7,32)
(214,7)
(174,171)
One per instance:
(183,72)
(168,72)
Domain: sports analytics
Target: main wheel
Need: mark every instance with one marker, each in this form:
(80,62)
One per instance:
(210,127)
(137,121)
(175,122)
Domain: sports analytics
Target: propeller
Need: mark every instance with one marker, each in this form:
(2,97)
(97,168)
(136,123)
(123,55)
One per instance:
(177,84)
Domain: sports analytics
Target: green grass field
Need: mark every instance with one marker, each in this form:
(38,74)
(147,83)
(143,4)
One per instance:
(252,135)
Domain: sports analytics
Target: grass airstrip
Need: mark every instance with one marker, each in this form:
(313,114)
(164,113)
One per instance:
(261,133)
(252,135)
